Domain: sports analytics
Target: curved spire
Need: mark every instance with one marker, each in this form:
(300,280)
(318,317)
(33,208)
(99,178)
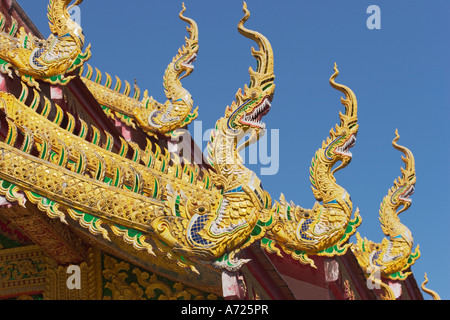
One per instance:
(51,60)
(432,293)
(191,42)
(154,117)
(264,55)
(351,105)
(348,128)
(192,29)
(394,255)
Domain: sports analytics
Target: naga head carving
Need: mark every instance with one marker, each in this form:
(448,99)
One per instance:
(254,101)
(165,117)
(343,136)
(183,62)
(399,196)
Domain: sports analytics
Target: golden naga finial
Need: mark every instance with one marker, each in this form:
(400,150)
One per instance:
(324,229)
(238,216)
(432,293)
(49,60)
(61,23)
(264,55)
(154,117)
(150,115)
(394,255)
(191,42)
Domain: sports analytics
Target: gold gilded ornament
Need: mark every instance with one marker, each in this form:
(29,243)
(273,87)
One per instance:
(191,214)
(149,114)
(117,275)
(393,256)
(49,60)
(432,293)
(324,229)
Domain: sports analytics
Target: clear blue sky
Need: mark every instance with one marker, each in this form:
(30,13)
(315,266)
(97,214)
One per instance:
(399,73)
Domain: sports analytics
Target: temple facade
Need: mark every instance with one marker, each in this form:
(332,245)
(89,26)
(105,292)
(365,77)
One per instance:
(98,204)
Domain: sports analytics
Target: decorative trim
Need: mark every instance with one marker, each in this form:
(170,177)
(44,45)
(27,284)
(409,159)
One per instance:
(22,271)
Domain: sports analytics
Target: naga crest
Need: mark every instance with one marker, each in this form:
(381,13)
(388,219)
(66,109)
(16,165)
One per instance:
(51,59)
(399,196)
(156,117)
(254,101)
